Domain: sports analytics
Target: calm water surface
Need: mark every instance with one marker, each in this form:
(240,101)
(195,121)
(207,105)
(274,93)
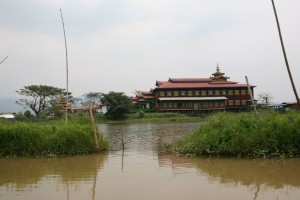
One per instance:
(141,171)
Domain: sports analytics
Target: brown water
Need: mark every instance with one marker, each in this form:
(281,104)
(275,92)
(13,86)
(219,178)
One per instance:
(142,172)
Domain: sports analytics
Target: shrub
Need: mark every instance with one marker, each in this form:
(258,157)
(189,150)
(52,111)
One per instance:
(32,139)
(243,134)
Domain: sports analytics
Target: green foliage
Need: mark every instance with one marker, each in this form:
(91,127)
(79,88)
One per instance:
(244,135)
(92,98)
(38,97)
(37,139)
(117,103)
(141,114)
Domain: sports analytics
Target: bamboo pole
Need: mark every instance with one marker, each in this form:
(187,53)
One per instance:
(251,96)
(285,56)
(67,67)
(94,129)
(3,60)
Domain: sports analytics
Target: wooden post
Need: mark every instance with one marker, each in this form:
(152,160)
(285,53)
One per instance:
(94,129)
(122,140)
(251,96)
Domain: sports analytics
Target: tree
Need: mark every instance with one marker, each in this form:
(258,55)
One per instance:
(265,98)
(117,103)
(38,97)
(92,98)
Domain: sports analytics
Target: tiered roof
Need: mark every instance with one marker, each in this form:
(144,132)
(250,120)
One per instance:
(217,80)
(142,96)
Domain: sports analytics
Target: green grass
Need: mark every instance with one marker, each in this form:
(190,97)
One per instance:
(47,139)
(244,135)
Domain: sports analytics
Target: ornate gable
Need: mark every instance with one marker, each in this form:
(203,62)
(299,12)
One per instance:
(218,75)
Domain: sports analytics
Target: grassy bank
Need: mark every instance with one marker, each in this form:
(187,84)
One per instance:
(244,135)
(47,139)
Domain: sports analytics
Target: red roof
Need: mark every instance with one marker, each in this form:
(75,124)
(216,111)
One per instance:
(171,85)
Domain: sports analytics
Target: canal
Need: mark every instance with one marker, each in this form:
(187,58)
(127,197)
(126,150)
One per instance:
(143,171)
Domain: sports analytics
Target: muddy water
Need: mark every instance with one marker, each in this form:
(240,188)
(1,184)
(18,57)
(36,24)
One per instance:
(141,171)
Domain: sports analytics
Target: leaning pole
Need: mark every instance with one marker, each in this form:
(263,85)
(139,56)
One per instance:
(67,70)
(285,56)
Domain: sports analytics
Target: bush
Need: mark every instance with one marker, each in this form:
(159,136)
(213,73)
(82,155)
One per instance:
(243,134)
(32,139)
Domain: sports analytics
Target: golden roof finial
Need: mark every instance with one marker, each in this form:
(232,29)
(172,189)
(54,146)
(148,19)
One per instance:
(218,68)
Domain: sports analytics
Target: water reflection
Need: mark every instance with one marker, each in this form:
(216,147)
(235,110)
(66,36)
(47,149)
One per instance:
(274,173)
(28,174)
(141,171)
(145,137)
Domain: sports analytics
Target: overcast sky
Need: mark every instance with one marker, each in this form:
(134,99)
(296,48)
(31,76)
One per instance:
(126,45)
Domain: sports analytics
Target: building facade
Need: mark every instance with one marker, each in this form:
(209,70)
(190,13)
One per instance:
(196,95)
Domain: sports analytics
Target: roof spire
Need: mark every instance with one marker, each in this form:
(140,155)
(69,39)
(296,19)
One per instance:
(218,75)
(218,68)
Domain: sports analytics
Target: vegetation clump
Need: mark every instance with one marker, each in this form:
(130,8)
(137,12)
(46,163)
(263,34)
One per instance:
(244,135)
(47,139)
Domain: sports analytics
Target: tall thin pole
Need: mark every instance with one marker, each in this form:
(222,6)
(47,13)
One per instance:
(3,60)
(67,68)
(285,57)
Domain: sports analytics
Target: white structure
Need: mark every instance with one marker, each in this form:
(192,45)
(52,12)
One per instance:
(7,116)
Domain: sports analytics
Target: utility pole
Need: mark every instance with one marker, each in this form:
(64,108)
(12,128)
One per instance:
(285,56)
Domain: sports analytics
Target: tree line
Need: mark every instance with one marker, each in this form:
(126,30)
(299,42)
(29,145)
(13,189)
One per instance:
(44,99)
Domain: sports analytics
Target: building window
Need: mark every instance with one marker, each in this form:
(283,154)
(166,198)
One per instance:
(204,104)
(170,105)
(243,102)
(197,93)
(174,105)
(237,92)
(217,92)
(223,92)
(165,104)
(216,104)
(221,104)
(176,93)
(230,92)
(189,105)
(230,102)
(237,102)
(190,93)
(183,104)
(243,92)
(210,93)
(162,93)
(203,92)
(211,104)
(169,93)
(182,93)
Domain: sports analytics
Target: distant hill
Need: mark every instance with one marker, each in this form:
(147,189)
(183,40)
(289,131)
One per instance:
(9,105)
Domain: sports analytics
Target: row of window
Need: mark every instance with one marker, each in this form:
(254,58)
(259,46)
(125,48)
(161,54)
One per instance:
(204,104)
(196,93)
